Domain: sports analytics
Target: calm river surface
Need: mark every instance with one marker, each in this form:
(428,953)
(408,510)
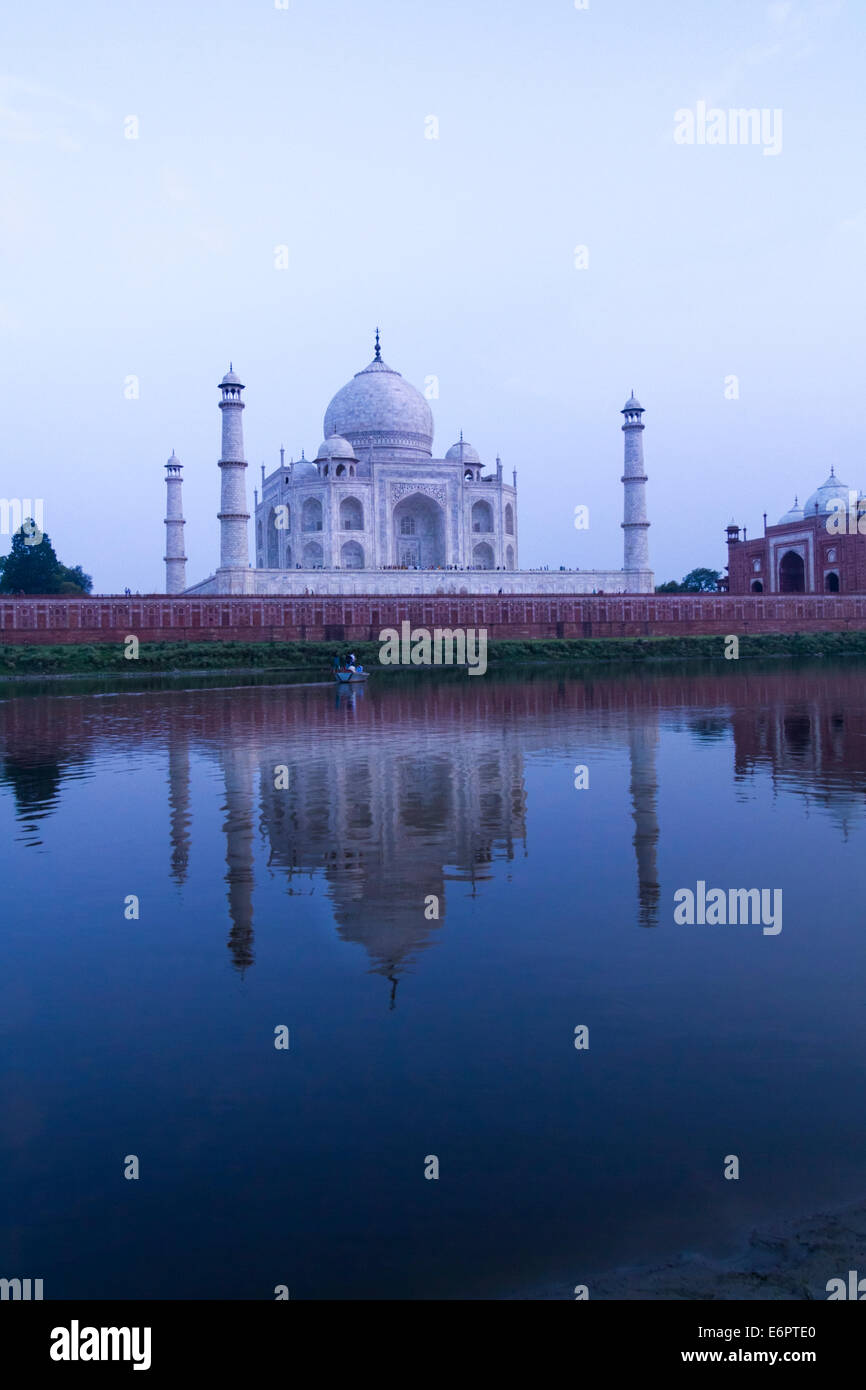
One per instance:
(282,844)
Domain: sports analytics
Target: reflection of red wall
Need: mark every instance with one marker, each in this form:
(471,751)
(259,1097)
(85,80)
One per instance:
(354,619)
(215,718)
(802,738)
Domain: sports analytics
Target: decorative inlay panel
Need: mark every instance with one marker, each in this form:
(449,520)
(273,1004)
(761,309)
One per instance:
(399,490)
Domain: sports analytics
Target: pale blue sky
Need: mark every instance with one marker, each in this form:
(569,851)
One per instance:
(306,127)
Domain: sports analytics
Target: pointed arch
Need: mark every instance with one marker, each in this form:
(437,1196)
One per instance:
(351,515)
(311,515)
(352,555)
(792,573)
(482,517)
(272,559)
(418,532)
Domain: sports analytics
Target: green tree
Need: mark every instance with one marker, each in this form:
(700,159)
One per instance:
(29,569)
(701,581)
(74,581)
(35,569)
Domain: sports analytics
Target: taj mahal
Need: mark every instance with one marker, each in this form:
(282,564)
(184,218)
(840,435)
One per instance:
(374,512)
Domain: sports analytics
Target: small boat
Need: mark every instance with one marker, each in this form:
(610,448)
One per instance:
(350,677)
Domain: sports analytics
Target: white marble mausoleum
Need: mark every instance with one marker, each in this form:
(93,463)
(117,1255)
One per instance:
(376,512)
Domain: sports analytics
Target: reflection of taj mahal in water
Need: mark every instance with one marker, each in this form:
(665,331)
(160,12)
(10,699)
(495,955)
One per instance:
(408,794)
(374,510)
(436,813)
(387,832)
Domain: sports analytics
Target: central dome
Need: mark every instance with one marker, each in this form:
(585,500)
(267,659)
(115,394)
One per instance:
(378,409)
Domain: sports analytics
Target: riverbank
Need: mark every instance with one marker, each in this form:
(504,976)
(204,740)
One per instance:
(791,1260)
(315,658)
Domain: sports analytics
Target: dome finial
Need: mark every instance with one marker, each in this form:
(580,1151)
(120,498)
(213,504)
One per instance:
(378,357)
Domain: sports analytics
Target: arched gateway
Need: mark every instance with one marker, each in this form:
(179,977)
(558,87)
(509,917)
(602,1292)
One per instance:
(792,573)
(419,533)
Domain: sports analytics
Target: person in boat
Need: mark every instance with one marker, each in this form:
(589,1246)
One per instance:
(337,664)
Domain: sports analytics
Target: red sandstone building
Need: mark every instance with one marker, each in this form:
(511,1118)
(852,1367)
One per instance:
(813,549)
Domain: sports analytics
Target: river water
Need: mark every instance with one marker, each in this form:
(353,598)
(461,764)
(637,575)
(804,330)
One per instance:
(188,871)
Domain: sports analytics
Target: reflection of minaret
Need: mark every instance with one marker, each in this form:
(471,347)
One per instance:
(643,737)
(178,804)
(238,827)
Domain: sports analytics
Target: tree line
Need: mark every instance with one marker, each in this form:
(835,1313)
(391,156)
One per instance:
(32,567)
(699,581)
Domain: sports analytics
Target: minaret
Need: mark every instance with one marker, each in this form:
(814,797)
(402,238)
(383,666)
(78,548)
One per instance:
(635,524)
(233,515)
(175,555)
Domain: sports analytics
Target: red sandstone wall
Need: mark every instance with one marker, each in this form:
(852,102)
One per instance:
(156,618)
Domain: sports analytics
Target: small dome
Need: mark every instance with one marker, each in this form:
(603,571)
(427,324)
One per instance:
(336,448)
(463,452)
(794,513)
(174,461)
(823,495)
(302,469)
(632,403)
(231,378)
